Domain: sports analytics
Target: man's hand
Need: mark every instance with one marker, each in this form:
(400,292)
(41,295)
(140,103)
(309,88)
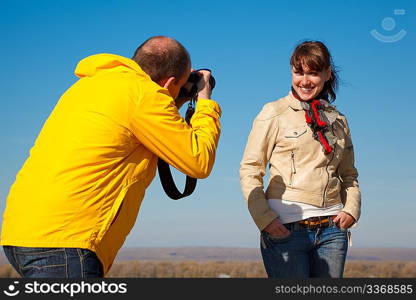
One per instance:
(275,228)
(204,88)
(344,220)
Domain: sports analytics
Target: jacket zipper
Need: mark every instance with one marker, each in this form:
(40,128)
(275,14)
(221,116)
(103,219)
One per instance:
(327,183)
(292,160)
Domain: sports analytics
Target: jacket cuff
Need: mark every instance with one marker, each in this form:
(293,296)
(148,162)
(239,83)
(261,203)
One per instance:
(265,219)
(208,103)
(353,211)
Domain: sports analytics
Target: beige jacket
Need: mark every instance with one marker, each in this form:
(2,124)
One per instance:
(299,169)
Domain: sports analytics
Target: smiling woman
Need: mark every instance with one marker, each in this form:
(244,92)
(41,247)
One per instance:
(313,195)
(313,71)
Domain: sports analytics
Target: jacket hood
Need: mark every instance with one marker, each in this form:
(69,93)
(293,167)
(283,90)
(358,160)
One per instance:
(94,64)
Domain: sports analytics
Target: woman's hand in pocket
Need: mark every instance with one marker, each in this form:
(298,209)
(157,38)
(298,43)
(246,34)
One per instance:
(277,229)
(343,220)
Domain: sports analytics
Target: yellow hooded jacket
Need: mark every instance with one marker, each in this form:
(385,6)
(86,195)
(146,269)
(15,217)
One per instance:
(88,170)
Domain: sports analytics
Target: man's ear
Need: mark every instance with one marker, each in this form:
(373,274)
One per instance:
(166,83)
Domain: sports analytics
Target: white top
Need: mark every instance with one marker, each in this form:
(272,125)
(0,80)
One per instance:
(290,211)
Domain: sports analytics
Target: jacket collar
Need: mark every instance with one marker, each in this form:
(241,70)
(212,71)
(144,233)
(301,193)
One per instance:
(293,102)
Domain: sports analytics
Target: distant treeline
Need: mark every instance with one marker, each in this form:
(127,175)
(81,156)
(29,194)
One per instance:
(191,269)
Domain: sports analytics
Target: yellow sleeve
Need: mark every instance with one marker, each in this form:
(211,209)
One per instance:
(158,125)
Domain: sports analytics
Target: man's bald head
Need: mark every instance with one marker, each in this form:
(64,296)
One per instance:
(162,57)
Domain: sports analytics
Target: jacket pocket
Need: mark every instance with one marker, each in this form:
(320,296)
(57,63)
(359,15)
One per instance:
(295,132)
(113,213)
(290,138)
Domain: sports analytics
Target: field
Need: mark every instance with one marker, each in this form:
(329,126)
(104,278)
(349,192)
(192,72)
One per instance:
(236,269)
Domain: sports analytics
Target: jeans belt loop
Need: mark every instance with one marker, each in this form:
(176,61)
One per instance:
(296,226)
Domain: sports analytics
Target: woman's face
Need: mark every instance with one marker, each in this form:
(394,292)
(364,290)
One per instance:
(308,83)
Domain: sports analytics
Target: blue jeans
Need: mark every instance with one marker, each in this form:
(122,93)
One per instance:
(305,252)
(54,262)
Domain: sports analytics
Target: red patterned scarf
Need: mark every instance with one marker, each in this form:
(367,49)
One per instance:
(315,118)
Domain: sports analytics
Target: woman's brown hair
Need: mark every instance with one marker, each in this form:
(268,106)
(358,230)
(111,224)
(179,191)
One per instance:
(316,56)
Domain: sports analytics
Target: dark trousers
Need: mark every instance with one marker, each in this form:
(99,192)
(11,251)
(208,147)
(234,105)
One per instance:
(54,262)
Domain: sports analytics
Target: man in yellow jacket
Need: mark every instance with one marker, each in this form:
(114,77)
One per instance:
(77,196)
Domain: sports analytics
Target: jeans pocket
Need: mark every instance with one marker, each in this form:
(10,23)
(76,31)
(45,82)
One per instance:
(278,239)
(41,262)
(344,230)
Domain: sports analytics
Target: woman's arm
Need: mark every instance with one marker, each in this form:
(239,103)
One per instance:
(350,191)
(257,154)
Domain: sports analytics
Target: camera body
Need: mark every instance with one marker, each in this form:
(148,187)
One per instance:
(190,89)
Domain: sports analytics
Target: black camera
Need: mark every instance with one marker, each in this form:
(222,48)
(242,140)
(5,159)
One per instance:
(190,88)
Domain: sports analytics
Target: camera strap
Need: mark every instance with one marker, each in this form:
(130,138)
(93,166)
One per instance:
(169,185)
(165,174)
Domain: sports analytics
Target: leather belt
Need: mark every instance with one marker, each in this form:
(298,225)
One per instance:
(316,222)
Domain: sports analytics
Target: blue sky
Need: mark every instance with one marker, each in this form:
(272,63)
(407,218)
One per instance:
(247,44)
